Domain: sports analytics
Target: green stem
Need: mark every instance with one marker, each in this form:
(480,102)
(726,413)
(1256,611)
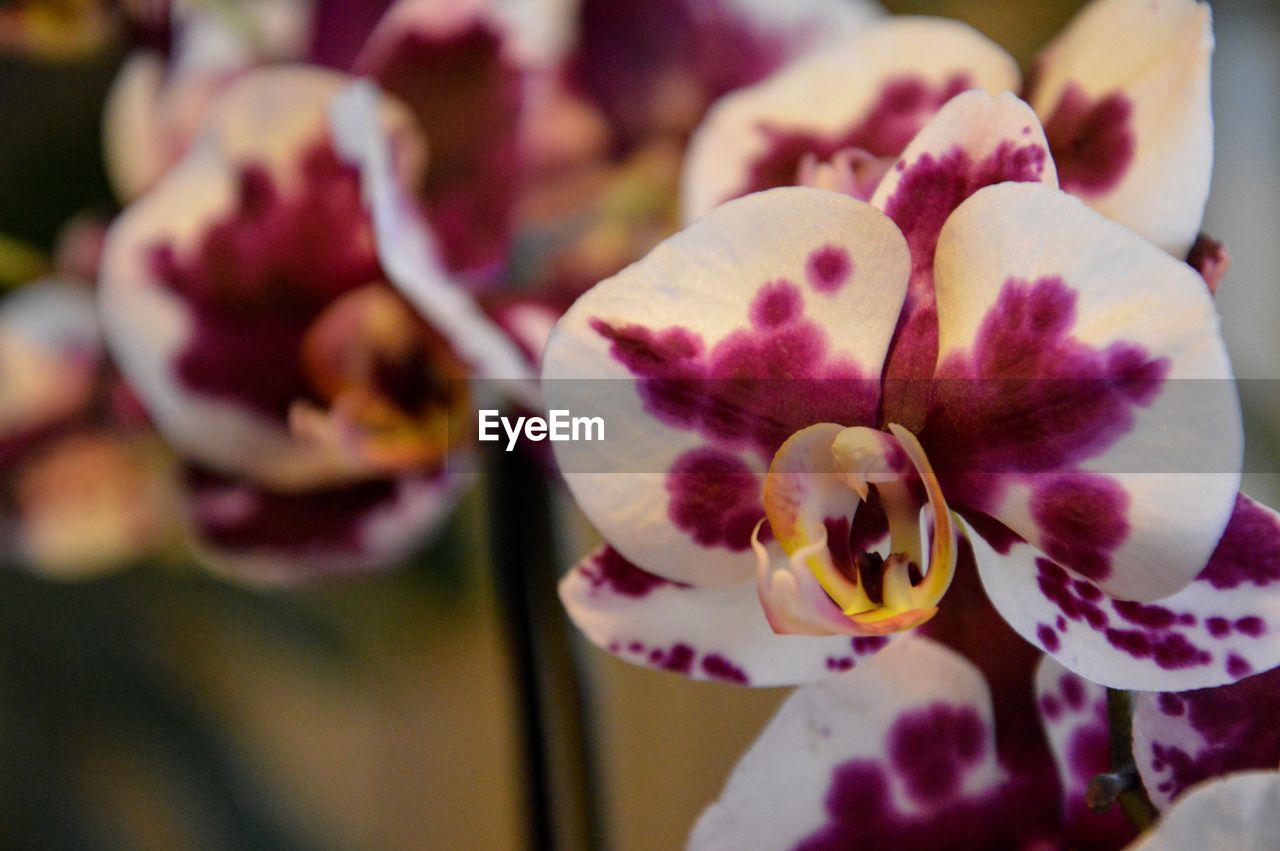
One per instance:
(1122,784)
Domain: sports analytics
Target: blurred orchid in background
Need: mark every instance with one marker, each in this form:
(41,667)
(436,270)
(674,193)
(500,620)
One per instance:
(88,484)
(478,83)
(246,299)
(1122,92)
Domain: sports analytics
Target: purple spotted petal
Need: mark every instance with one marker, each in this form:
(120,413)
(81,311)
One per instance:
(768,315)
(976,140)
(1074,713)
(870,94)
(1181,739)
(1124,96)
(1219,629)
(1240,812)
(896,754)
(254,535)
(1083,394)
(704,633)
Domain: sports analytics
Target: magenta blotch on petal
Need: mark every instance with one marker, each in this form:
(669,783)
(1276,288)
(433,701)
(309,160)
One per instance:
(1091,139)
(1182,739)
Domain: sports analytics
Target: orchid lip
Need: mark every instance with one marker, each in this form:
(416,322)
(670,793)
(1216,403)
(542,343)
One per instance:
(849,171)
(877,595)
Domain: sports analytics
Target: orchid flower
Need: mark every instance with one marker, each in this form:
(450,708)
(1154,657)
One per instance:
(1067,396)
(256,308)
(901,754)
(1123,93)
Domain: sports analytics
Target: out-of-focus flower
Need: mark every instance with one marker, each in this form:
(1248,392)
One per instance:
(653,68)
(1123,94)
(187,52)
(88,487)
(901,753)
(257,309)
(55,29)
(465,71)
(1060,361)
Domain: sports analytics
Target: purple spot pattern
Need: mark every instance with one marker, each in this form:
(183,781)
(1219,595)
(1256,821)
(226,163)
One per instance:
(1248,552)
(1081,519)
(969,624)
(903,106)
(717,667)
(1092,141)
(466,95)
(754,388)
(715,497)
(1166,637)
(256,280)
(1031,402)
(829,268)
(930,750)
(933,748)
(1196,735)
(862,645)
(931,188)
(1173,637)
(928,192)
(776,304)
(608,569)
(1088,752)
(682,658)
(1074,713)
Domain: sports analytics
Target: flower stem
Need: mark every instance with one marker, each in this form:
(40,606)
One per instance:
(1122,784)
(556,751)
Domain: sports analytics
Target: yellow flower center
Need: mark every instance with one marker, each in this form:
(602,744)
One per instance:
(821,477)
